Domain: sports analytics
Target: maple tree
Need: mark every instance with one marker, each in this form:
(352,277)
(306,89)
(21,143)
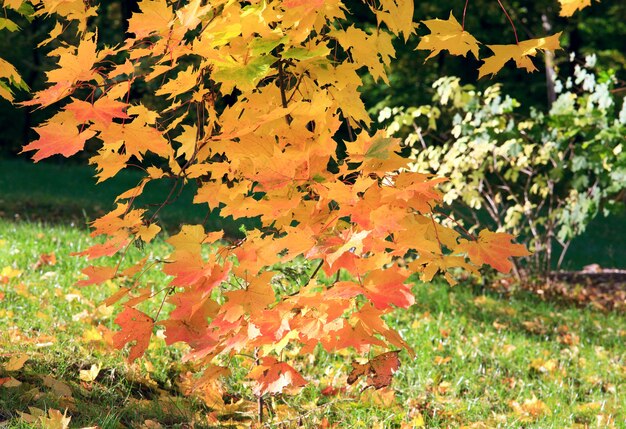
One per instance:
(256,94)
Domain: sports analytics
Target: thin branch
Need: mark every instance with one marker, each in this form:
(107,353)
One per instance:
(317,269)
(465,231)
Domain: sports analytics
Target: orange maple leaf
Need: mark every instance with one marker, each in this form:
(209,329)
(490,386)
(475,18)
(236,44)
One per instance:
(97,275)
(492,248)
(58,139)
(103,110)
(136,326)
(272,376)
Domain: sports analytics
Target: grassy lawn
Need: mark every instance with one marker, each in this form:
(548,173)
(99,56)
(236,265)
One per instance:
(483,358)
(69,194)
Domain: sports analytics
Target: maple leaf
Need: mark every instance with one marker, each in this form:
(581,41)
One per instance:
(186,263)
(568,7)
(50,95)
(272,376)
(136,326)
(75,63)
(385,288)
(492,248)
(379,370)
(13,79)
(520,53)
(376,153)
(398,15)
(104,109)
(53,420)
(155,17)
(359,44)
(258,295)
(58,139)
(97,275)
(447,34)
(243,74)
(138,138)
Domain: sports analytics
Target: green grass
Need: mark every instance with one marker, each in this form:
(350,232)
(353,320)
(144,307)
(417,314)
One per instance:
(482,357)
(68,194)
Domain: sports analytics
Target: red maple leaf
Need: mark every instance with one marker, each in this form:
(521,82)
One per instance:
(136,326)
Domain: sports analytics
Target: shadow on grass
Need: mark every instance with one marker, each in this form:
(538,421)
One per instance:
(68,194)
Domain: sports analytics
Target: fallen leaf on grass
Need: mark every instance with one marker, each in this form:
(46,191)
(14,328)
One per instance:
(16,362)
(416,422)
(90,374)
(544,366)
(22,290)
(45,259)
(54,419)
(9,382)
(536,326)
(440,360)
(58,387)
(530,409)
(8,273)
(381,398)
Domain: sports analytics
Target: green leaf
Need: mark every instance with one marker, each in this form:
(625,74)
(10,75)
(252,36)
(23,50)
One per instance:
(306,54)
(380,148)
(8,25)
(263,46)
(244,76)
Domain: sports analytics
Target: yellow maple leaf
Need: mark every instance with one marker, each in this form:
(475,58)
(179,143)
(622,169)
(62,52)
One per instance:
(53,420)
(447,34)
(568,7)
(155,16)
(360,44)
(398,15)
(520,53)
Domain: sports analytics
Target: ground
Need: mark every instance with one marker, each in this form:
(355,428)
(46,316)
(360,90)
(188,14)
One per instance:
(484,356)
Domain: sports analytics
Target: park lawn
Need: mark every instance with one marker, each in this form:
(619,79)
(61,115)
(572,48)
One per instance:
(483,358)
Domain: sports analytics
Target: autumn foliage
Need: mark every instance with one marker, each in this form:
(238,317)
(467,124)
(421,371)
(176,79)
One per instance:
(290,71)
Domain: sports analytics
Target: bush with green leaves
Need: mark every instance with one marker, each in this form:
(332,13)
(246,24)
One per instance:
(540,175)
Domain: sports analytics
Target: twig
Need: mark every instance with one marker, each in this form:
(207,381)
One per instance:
(510,20)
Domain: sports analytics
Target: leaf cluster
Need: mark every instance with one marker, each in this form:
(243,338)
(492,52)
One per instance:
(255,94)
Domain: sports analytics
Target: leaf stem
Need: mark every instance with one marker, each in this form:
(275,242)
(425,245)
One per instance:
(510,20)
(469,235)
(464,12)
